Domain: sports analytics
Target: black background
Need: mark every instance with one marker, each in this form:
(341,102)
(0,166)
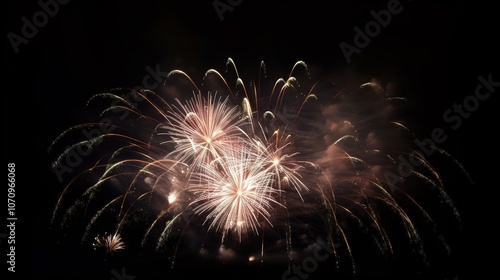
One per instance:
(434,52)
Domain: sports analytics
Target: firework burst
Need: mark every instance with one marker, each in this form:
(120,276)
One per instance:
(287,166)
(111,242)
(202,129)
(235,190)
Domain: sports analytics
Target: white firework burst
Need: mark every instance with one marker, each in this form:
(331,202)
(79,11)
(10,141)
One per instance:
(202,128)
(235,191)
(112,243)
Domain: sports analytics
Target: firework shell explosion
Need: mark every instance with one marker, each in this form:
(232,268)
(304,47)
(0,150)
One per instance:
(252,173)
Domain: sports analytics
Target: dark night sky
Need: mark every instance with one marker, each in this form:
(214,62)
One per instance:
(433,52)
